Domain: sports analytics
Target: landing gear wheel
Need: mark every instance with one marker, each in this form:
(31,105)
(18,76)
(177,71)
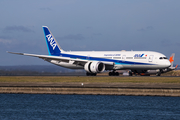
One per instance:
(91,74)
(87,74)
(110,73)
(130,74)
(94,74)
(117,74)
(113,73)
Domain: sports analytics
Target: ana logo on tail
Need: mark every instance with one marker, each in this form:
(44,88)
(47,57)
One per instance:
(51,40)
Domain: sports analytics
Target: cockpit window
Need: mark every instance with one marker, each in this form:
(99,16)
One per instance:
(163,58)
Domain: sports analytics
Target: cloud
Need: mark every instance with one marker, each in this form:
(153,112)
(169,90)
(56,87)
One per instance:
(5,40)
(166,43)
(72,37)
(148,28)
(5,37)
(17,28)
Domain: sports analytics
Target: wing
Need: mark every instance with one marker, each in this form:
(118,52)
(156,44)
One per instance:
(62,59)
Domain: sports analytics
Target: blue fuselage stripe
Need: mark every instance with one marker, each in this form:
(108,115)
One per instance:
(103,59)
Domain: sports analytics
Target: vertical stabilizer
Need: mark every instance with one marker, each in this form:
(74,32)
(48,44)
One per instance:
(52,45)
(171,59)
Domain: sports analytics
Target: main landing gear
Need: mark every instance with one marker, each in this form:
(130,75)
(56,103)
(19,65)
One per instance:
(91,74)
(158,74)
(113,73)
(130,73)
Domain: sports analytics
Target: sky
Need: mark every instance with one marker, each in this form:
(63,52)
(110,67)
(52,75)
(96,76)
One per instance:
(88,25)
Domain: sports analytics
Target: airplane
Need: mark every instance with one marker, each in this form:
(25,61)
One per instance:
(94,62)
(158,72)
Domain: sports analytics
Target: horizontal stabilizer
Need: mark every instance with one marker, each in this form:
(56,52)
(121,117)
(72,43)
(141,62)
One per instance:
(15,53)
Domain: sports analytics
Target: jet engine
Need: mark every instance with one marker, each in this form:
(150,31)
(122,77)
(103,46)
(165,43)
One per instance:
(94,67)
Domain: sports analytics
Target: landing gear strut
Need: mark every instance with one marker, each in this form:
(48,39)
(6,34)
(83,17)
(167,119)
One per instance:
(158,74)
(113,73)
(130,73)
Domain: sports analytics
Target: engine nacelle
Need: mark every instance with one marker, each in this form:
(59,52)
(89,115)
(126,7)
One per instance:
(94,67)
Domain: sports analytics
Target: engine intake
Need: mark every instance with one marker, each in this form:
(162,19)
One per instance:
(94,67)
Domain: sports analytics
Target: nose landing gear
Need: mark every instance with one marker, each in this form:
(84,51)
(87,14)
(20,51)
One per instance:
(159,73)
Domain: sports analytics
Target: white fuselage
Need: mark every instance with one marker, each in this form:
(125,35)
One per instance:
(145,60)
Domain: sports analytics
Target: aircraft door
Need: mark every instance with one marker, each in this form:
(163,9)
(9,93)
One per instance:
(124,57)
(88,57)
(151,58)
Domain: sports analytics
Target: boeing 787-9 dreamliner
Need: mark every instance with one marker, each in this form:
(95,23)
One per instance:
(94,62)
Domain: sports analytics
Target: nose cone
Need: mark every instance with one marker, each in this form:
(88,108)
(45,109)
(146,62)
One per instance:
(168,64)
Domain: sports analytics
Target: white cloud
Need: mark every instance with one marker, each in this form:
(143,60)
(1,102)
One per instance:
(5,41)
(17,28)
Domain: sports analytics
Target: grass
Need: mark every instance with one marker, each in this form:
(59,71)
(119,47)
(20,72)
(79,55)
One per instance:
(84,79)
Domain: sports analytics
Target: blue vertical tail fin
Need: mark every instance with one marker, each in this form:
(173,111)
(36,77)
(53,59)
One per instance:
(52,45)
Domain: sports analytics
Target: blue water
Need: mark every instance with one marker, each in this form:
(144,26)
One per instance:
(89,107)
